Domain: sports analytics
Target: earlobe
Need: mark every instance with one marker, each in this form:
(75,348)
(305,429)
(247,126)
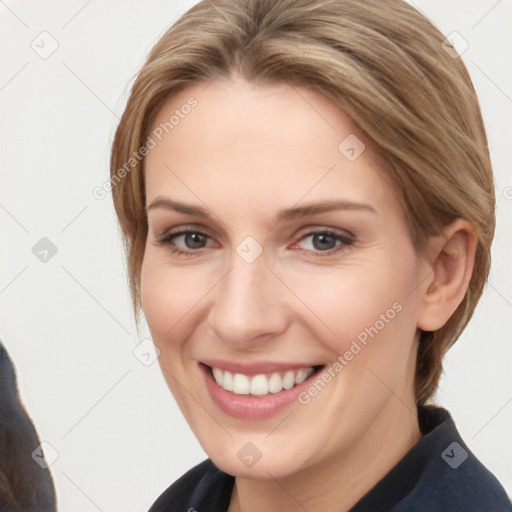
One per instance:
(454,256)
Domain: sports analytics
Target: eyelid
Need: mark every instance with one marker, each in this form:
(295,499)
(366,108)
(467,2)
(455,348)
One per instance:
(183,228)
(171,234)
(336,232)
(345,239)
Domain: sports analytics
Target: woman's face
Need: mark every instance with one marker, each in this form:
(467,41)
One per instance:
(277,251)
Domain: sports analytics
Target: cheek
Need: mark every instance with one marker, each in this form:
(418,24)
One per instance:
(170,298)
(368,302)
(167,295)
(346,303)
(372,347)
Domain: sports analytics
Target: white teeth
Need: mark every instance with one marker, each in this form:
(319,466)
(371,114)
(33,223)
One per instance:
(289,380)
(241,384)
(227,381)
(217,375)
(260,385)
(302,375)
(275,383)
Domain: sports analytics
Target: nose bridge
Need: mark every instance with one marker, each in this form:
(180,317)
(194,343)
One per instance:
(245,305)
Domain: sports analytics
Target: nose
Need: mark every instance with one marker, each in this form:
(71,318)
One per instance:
(247,309)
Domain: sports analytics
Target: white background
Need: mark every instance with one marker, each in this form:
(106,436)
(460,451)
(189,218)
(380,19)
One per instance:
(67,323)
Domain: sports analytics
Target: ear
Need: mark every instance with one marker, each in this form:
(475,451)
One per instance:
(452,257)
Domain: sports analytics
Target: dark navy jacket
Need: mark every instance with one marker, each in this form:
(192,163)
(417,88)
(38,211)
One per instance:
(438,474)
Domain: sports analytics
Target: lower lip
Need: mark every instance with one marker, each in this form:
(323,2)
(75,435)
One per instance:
(251,407)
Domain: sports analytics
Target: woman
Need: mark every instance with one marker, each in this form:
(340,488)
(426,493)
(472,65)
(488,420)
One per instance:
(307,202)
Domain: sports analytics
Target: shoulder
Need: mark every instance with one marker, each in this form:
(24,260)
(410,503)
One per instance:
(458,482)
(440,473)
(204,487)
(454,478)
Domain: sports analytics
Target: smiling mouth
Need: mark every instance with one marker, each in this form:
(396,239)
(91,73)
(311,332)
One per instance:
(263,384)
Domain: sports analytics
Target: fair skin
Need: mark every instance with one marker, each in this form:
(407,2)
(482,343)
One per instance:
(244,154)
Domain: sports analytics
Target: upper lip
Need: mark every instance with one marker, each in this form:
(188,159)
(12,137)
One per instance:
(254,368)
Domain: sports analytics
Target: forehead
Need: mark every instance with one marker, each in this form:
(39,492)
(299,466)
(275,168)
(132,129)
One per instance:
(261,146)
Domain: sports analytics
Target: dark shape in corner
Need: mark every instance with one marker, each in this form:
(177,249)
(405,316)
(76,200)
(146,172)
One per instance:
(24,485)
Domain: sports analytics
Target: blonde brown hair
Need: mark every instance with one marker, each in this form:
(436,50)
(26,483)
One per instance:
(385,65)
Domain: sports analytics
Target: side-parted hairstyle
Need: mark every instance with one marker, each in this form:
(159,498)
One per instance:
(381,62)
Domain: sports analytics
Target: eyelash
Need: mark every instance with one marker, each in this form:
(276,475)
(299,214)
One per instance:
(167,239)
(345,241)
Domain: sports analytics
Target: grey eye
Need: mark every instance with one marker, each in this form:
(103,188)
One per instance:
(323,241)
(194,240)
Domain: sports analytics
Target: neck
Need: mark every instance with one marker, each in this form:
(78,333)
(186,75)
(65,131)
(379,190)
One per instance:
(338,483)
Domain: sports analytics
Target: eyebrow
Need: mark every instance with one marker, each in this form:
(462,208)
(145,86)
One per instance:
(325,206)
(285,214)
(170,204)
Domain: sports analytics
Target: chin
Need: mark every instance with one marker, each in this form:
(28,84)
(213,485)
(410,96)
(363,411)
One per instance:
(255,457)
